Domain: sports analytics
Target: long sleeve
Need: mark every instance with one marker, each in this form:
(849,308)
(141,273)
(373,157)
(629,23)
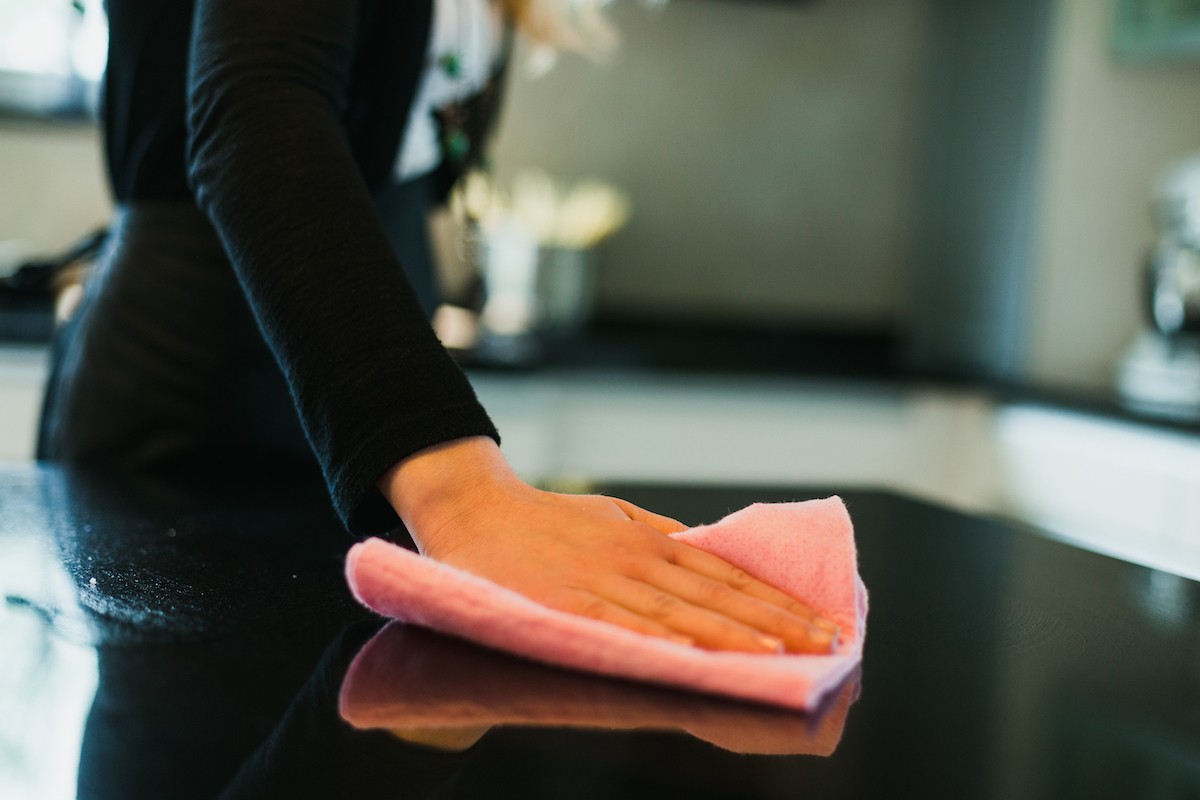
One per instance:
(271,91)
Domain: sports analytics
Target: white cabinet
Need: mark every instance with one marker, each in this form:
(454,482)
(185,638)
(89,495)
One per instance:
(1127,489)
(692,429)
(23,373)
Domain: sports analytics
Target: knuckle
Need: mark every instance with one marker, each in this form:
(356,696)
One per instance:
(739,579)
(628,561)
(594,608)
(662,605)
(715,594)
(796,608)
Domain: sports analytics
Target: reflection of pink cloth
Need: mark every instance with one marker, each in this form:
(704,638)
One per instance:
(805,549)
(407,678)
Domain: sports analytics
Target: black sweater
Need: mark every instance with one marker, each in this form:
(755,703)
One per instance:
(280,118)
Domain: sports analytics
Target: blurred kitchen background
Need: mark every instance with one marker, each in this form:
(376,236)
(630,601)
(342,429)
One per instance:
(897,243)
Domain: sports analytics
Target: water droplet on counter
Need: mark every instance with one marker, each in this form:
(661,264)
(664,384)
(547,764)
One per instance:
(170,531)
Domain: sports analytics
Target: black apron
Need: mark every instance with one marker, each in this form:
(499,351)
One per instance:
(163,367)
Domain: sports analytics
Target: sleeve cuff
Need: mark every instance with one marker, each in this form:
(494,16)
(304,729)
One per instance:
(358,501)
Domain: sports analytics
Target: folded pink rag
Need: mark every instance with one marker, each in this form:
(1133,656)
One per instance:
(805,549)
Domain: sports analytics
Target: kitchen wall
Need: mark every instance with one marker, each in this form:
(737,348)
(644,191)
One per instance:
(767,147)
(53,189)
(968,273)
(769,152)
(1109,129)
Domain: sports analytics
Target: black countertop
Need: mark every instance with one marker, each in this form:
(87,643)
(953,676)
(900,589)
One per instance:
(998,664)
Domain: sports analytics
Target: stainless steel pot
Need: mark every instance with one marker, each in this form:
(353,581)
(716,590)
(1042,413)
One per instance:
(532,293)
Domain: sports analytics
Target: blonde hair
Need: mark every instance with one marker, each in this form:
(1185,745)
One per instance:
(576,25)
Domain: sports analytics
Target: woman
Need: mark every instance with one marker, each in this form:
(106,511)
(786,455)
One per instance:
(250,313)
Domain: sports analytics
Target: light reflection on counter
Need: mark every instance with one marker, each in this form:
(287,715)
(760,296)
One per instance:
(48,672)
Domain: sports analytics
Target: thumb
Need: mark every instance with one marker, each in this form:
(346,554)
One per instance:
(657,521)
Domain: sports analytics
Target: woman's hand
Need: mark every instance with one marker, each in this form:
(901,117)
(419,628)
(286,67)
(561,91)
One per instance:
(595,556)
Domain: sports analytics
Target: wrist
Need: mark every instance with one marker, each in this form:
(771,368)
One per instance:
(441,485)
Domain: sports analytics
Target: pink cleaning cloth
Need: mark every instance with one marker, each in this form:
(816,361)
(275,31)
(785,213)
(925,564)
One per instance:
(805,549)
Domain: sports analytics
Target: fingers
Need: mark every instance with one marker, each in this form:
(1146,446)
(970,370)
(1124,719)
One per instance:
(718,569)
(656,521)
(799,634)
(710,629)
(589,605)
(706,598)
(796,637)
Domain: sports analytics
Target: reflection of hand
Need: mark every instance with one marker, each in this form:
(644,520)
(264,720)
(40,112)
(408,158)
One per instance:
(449,738)
(446,693)
(595,556)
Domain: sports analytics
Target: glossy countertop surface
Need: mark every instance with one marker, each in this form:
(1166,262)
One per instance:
(180,639)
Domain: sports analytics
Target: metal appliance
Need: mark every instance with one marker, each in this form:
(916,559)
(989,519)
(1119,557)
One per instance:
(1160,374)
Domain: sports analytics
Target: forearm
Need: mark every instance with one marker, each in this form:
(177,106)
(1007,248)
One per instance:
(272,166)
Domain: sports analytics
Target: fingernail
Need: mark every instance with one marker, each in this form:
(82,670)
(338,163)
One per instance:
(827,624)
(772,644)
(820,636)
(679,638)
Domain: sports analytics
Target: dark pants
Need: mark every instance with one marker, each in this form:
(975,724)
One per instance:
(163,365)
